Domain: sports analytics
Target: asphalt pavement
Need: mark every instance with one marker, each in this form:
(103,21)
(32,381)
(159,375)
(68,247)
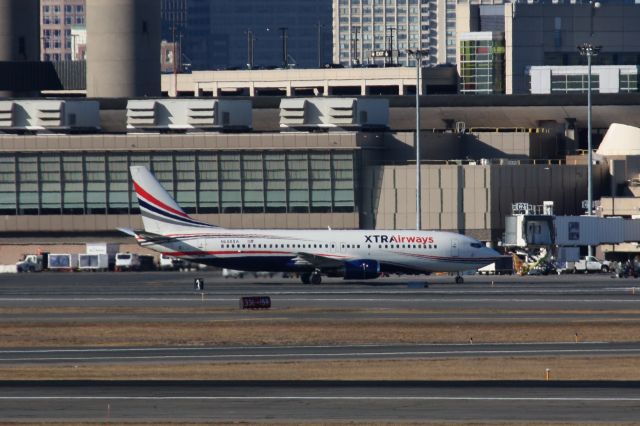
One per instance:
(374,401)
(292,353)
(104,297)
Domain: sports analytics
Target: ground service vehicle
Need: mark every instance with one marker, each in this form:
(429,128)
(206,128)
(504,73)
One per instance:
(502,266)
(587,264)
(350,254)
(592,264)
(93,262)
(63,262)
(32,263)
(127,262)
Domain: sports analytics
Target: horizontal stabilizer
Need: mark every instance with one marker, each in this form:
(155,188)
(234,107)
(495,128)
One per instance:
(148,237)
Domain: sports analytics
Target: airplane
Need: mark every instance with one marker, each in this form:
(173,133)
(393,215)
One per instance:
(350,254)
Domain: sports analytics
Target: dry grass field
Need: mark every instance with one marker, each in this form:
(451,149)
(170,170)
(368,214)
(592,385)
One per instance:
(274,331)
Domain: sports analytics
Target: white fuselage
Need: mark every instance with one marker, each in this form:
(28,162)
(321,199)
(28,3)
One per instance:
(290,250)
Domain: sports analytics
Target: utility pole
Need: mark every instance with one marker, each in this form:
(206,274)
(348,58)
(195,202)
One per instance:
(175,65)
(285,53)
(355,45)
(250,46)
(320,43)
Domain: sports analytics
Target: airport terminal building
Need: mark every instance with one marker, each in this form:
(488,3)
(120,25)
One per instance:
(63,183)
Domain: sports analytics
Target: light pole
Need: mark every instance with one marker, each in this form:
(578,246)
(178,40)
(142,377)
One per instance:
(285,53)
(251,39)
(418,54)
(590,50)
(320,44)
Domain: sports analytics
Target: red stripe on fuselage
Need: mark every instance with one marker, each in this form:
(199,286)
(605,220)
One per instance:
(216,253)
(151,198)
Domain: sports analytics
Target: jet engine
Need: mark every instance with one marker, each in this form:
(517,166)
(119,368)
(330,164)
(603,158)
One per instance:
(361,269)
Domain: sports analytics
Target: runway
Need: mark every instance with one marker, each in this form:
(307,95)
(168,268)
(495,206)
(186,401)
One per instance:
(182,354)
(481,297)
(77,299)
(374,401)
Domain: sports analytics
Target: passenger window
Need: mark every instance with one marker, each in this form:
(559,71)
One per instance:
(386,246)
(435,246)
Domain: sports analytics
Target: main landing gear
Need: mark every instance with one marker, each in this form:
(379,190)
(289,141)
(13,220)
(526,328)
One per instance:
(459,279)
(311,277)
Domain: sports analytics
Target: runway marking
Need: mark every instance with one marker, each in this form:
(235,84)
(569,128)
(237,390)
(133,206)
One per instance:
(321,398)
(329,355)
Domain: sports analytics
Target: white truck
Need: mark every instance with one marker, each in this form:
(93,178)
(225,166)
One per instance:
(169,263)
(31,263)
(127,262)
(586,265)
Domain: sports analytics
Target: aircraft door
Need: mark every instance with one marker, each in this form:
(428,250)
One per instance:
(454,248)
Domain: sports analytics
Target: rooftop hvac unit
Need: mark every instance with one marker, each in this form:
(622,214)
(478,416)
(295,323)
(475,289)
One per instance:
(334,113)
(185,115)
(50,114)
(6,113)
(341,111)
(293,112)
(141,113)
(202,113)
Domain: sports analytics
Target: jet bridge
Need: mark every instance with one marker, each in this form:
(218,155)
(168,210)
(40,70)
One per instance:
(535,227)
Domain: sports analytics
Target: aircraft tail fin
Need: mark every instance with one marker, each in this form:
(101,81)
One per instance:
(160,213)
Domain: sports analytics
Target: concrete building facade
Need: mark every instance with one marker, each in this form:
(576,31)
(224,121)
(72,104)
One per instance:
(19,35)
(310,82)
(123,46)
(19,39)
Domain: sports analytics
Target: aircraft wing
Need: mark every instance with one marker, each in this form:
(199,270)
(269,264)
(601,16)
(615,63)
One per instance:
(320,262)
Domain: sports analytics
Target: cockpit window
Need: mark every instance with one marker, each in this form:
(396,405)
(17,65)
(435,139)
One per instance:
(476,245)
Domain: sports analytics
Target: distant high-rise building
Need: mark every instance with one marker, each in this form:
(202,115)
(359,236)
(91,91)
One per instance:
(381,31)
(57,20)
(242,33)
(174,19)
